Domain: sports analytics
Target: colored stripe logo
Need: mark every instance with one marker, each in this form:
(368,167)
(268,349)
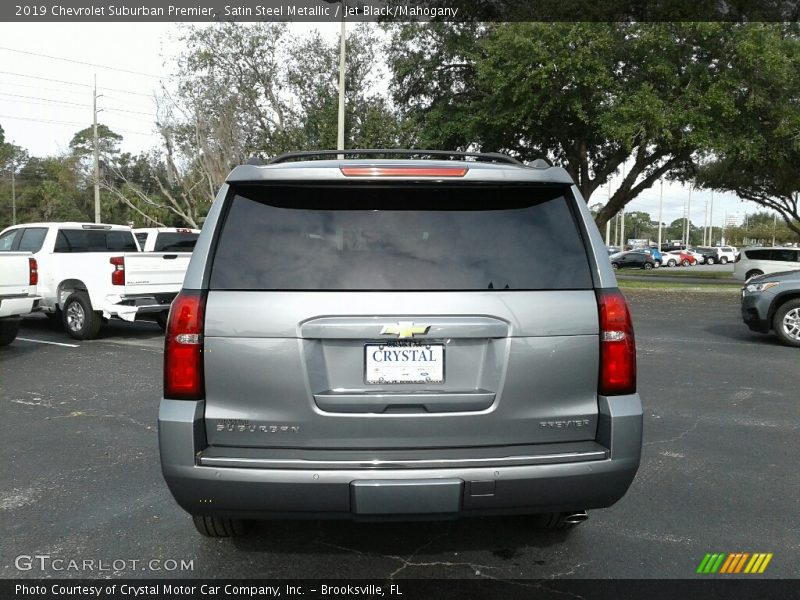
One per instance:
(734,563)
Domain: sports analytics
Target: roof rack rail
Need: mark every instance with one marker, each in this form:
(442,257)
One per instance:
(484,156)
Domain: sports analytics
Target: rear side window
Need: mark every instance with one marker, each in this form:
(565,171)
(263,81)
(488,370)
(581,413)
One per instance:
(32,239)
(7,240)
(91,240)
(400,238)
(175,242)
(759,254)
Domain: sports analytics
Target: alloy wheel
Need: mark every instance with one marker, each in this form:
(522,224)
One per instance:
(75,316)
(791,324)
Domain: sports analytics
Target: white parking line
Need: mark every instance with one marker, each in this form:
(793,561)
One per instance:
(21,339)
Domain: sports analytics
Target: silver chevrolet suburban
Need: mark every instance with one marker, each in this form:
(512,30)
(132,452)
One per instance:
(375,334)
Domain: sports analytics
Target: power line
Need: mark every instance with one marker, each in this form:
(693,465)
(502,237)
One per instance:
(39,87)
(86,85)
(81,62)
(40,120)
(64,102)
(150,134)
(45,99)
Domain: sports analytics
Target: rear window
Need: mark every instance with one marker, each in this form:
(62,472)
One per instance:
(175,242)
(399,238)
(92,240)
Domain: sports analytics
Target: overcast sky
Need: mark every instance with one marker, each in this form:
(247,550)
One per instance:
(44,100)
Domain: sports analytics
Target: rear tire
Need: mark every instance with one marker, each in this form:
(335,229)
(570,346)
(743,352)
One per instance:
(723,260)
(685,262)
(786,322)
(217,527)
(614,266)
(553,521)
(710,261)
(80,321)
(8,331)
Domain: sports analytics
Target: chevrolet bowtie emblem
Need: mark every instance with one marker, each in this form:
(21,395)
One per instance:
(404,329)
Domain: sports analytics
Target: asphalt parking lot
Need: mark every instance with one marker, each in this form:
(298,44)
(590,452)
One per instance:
(80,478)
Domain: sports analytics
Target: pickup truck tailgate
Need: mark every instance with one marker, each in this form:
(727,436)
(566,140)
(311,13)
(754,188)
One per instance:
(15,269)
(154,272)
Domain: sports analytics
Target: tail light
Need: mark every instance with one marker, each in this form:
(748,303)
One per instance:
(33,272)
(118,274)
(617,345)
(404,171)
(183,349)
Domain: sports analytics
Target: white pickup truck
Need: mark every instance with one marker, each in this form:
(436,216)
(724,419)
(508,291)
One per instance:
(89,273)
(166,239)
(18,277)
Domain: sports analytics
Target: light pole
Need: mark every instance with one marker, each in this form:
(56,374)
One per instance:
(774,225)
(13,193)
(342,66)
(96,158)
(660,210)
(711,221)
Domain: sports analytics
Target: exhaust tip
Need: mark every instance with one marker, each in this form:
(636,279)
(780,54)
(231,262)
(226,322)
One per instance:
(575,517)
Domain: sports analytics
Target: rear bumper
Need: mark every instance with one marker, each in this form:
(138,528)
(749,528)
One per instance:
(128,307)
(16,306)
(349,492)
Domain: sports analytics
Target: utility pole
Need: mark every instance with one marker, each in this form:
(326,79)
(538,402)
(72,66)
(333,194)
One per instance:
(96,158)
(705,223)
(660,210)
(13,193)
(342,66)
(711,221)
(608,223)
(689,220)
(622,230)
(774,225)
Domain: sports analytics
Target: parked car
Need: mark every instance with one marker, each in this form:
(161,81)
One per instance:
(752,262)
(632,259)
(656,254)
(772,302)
(699,257)
(18,279)
(719,254)
(708,253)
(336,351)
(678,257)
(89,273)
(166,239)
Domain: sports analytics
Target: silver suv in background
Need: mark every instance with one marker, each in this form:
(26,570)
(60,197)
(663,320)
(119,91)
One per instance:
(772,302)
(379,337)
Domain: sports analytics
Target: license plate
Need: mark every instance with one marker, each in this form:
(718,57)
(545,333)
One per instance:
(406,363)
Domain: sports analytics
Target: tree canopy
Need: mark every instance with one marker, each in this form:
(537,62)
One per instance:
(659,97)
